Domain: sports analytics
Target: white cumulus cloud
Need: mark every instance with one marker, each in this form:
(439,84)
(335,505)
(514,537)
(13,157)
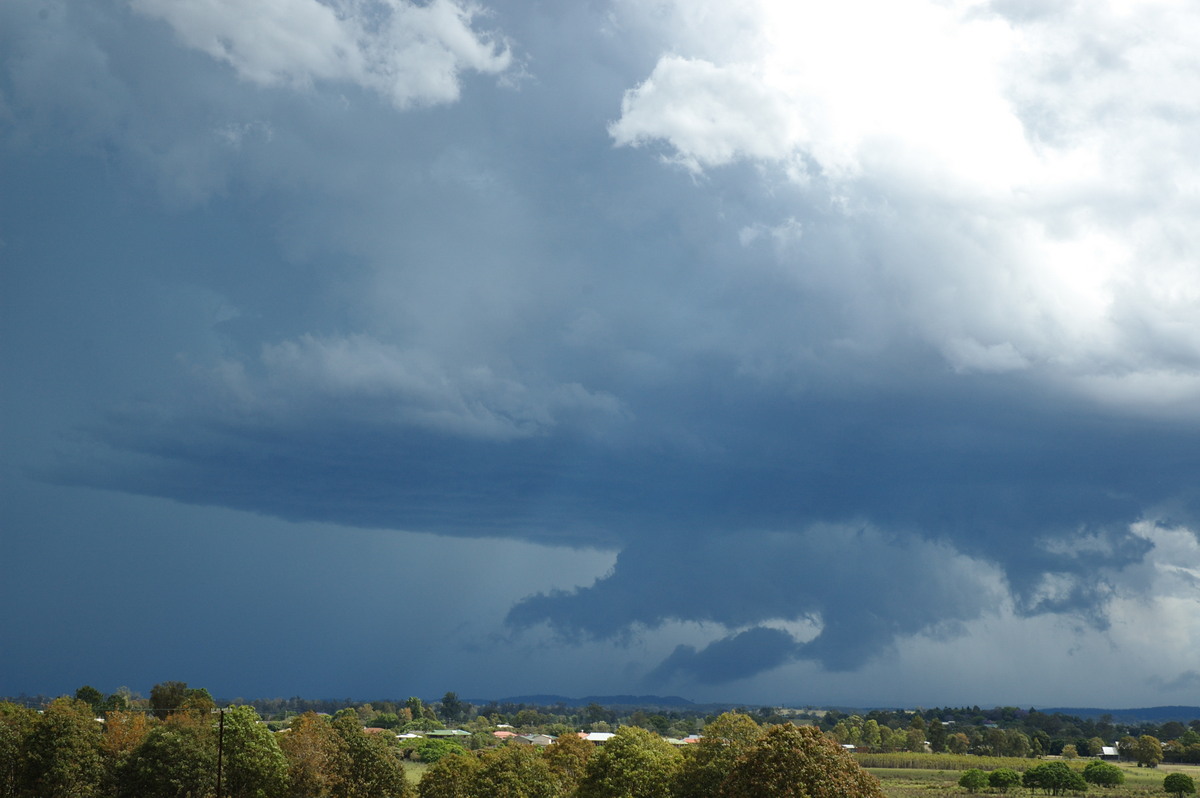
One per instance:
(410,53)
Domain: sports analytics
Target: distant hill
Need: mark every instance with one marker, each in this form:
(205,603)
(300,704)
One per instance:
(602,700)
(1143,715)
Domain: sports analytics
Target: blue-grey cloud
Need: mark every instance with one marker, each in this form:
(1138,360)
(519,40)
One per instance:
(811,359)
(734,657)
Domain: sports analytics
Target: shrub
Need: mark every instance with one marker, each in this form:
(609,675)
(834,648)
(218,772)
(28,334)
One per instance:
(1180,784)
(1054,778)
(973,780)
(1002,779)
(1104,774)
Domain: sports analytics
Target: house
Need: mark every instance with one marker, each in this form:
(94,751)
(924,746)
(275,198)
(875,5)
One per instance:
(535,739)
(599,738)
(504,734)
(1109,752)
(447,734)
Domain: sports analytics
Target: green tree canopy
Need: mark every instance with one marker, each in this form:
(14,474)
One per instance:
(373,767)
(1179,784)
(62,752)
(1054,778)
(450,777)
(1003,779)
(1148,751)
(175,760)
(568,757)
(254,765)
(166,697)
(799,762)
(706,764)
(515,771)
(634,763)
(16,723)
(1103,774)
(973,780)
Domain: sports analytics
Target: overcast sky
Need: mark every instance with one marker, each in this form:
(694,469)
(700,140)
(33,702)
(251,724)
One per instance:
(764,351)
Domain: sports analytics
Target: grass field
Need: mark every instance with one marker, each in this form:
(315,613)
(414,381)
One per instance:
(938,780)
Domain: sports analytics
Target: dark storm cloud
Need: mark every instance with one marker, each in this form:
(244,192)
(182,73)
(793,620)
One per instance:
(734,657)
(813,386)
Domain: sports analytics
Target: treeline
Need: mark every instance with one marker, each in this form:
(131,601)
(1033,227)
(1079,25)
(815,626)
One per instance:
(198,750)
(1008,732)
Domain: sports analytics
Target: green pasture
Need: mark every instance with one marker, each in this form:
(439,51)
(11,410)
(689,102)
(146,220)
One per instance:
(933,775)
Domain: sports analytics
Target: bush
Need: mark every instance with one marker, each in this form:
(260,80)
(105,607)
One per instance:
(1002,779)
(1180,784)
(973,780)
(1054,778)
(1104,774)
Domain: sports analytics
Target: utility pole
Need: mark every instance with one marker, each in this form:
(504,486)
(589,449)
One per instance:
(220,746)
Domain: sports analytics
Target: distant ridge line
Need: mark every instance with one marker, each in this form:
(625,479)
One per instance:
(602,700)
(1151,714)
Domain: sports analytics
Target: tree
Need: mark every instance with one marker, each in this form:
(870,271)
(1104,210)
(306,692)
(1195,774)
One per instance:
(799,762)
(937,736)
(16,724)
(315,755)
(958,743)
(871,738)
(707,763)
(1127,747)
(973,780)
(1070,752)
(1054,778)
(1103,774)
(90,696)
(1179,784)
(453,709)
(450,777)
(1095,747)
(62,752)
(373,768)
(431,749)
(1003,779)
(515,771)
(1148,751)
(568,757)
(166,697)
(254,766)
(634,763)
(176,760)
(1016,744)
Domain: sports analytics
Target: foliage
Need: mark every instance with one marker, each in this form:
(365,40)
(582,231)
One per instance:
(175,760)
(1003,779)
(254,766)
(973,780)
(634,763)
(1179,784)
(1148,751)
(166,697)
(800,762)
(1104,774)
(707,763)
(431,749)
(62,754)
(515,771)
(372,766)
(316,756)
(1054,778)
(16,722)
(568,757)
(450,777)
(940,761)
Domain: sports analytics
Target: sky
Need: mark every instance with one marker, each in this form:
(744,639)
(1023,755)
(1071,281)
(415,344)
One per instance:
(761,352)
